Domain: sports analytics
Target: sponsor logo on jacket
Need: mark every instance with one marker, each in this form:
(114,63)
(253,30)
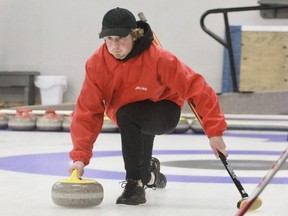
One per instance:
(140,88)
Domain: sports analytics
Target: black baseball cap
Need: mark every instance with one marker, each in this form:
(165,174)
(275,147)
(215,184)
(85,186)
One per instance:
(117,22)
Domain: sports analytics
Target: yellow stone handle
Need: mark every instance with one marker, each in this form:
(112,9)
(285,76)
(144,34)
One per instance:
(74,179)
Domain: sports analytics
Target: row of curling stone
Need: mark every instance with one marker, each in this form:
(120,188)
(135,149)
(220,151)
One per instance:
(25,119)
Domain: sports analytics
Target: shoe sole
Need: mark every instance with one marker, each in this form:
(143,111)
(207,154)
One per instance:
(141,201)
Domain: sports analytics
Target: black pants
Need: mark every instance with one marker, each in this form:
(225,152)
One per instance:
(138,123)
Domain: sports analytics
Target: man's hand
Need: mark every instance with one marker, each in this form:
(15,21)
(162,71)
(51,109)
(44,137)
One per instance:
(217,144)
(79,166)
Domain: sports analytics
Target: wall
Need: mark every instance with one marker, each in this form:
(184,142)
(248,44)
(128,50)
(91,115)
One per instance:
(56,37)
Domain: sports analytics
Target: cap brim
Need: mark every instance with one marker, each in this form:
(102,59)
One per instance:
(120,32)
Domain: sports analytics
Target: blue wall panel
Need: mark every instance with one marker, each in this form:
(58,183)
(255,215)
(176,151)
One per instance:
(236,44)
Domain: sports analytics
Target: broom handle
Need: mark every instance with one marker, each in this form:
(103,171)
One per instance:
(143,18)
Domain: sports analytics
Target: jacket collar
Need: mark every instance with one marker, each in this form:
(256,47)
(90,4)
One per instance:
(112,63)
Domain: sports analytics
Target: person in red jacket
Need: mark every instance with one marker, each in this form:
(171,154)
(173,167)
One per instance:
(141,87)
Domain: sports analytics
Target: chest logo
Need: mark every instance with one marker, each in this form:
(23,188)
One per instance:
(140,88)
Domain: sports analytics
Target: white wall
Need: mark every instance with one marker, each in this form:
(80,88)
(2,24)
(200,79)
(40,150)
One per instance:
(56,37)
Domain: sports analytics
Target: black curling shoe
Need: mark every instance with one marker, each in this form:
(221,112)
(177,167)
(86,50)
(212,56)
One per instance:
(133,194)
(160,179)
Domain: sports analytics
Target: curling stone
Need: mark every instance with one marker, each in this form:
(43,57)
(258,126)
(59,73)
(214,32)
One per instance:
(50,121)
(66,123)
(196,126)
(3,121)
(75,192)
(23,120)
(108,126)
(183,126)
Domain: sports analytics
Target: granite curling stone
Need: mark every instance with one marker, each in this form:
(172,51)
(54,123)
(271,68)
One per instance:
(183,126)
(109,126)
(66,123)
(23,120)
(75,192)
(196,126)
(50,121)
(3,120)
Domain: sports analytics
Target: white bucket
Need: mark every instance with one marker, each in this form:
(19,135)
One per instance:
(51,88)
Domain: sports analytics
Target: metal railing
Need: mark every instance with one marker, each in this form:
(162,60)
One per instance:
(228,42)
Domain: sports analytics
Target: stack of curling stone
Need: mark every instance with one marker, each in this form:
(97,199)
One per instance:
(23,120)
(50,121)
(75,192)
(3,121)
(183,126)
(66,123)
(108,126)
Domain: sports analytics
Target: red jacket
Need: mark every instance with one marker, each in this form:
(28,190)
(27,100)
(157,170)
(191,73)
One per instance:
(155,74)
